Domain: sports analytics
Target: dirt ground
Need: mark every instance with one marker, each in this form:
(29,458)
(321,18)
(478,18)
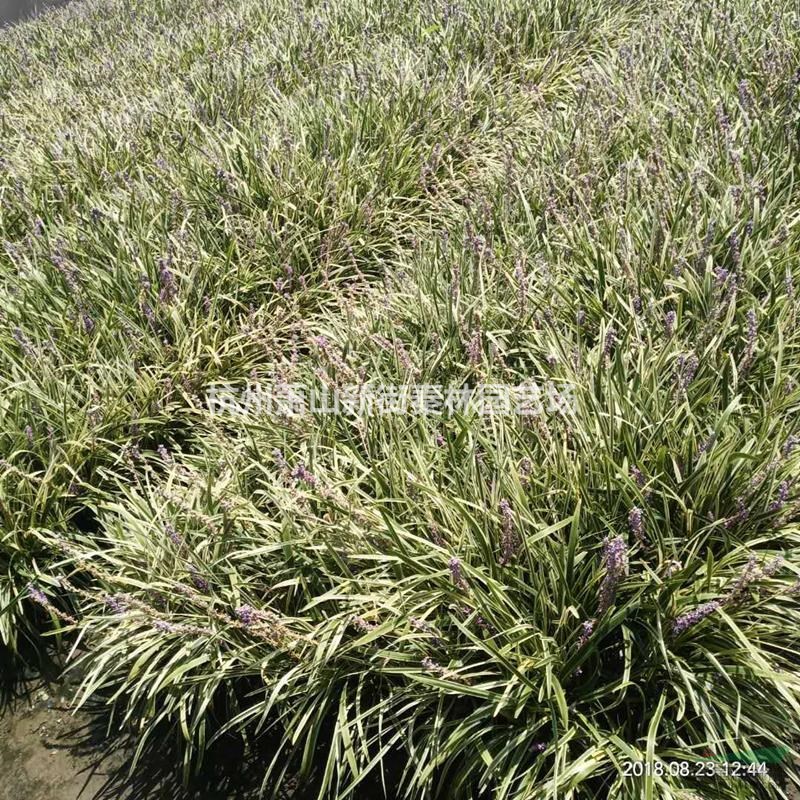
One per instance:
(49,753)
(16,10)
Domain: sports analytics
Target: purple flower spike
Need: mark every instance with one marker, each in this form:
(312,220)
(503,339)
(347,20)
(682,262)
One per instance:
(456,573)
(687,367)
(246,614)
(609,343)
(783,496)
(197,579)
(509,539)
(362,624)
(750,574)
(615,564)
(24,342)
(670,318)
(690,618)
(429,664)
(773,567)
(166,281)
(636,524)
(587,629)
(474,348)
(750,346)
(116,603)
(173,535)
(37,595)
(789,446)
(741,515)
(300,473)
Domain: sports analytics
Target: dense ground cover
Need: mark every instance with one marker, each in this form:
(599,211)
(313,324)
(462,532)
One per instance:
(601,195)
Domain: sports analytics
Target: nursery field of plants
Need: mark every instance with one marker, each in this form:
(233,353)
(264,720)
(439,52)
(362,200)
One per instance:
(216,214)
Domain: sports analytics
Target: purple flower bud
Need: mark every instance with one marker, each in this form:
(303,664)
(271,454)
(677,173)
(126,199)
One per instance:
(29,434)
